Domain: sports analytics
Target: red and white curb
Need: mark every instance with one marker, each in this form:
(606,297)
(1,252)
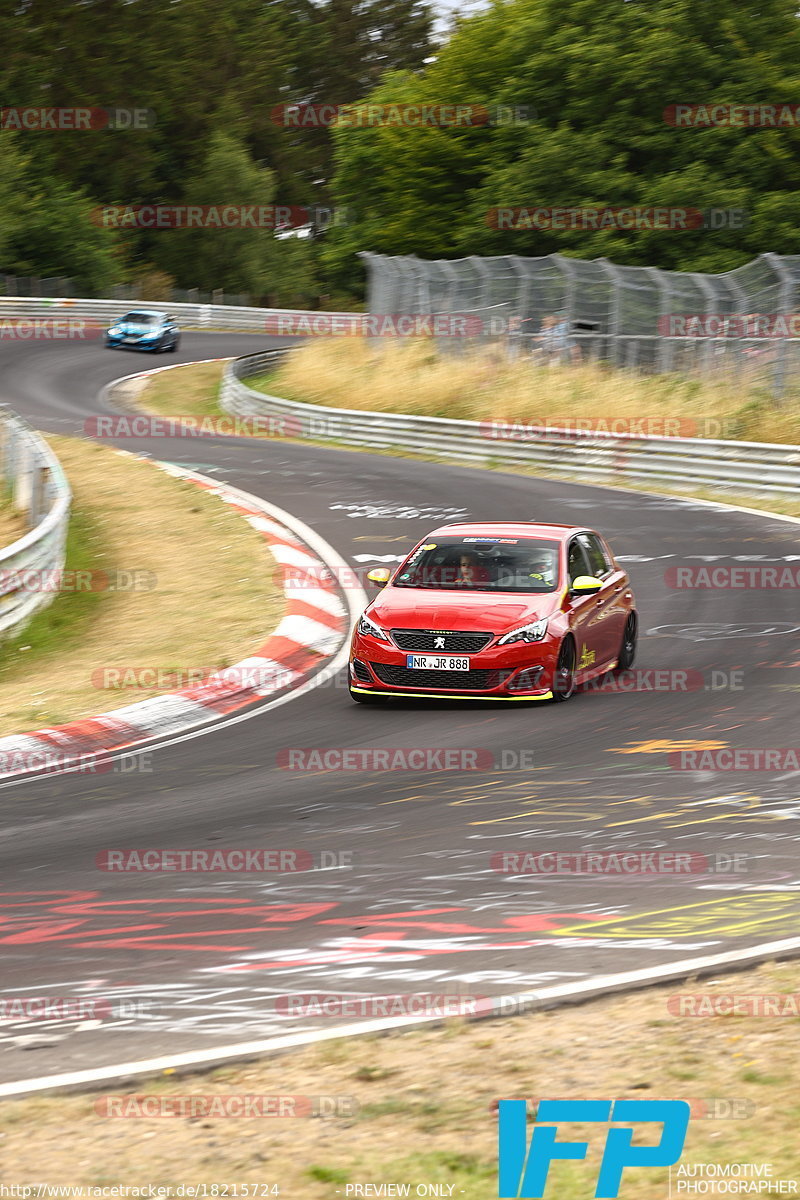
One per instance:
(313,629)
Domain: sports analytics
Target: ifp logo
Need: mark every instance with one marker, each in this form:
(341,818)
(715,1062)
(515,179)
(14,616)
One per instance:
(523,1169)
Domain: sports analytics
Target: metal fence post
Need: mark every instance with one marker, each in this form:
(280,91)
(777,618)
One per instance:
(785,307)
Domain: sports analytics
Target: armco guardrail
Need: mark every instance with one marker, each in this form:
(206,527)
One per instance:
(754,467)
(103,312)
(30,567)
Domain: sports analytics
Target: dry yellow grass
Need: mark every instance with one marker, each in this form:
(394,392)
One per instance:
(214,602)
(190,390)
(411,377)
(12,524)
(193,390)
(426,1103)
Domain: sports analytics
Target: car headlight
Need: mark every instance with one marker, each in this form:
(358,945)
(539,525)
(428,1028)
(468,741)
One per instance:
(151,333)
(115,330)
(370,629)
(526,633)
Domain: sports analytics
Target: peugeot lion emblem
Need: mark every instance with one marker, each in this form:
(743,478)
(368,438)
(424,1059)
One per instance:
(438,643)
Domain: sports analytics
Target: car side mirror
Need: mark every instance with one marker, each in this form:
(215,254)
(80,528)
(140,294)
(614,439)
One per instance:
(586,585)
(380,576)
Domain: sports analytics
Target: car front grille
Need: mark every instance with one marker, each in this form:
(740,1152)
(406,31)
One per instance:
(360,671)
(454,643)
(445,681)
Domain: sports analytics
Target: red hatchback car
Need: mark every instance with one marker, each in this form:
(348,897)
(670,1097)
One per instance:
(495,612)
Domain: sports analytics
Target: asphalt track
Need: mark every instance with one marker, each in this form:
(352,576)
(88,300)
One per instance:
(189,961)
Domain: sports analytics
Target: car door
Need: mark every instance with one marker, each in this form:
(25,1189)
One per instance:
(609,611)
(584,611)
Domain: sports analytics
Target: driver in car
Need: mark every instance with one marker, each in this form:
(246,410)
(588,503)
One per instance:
(542,568)
(470,571)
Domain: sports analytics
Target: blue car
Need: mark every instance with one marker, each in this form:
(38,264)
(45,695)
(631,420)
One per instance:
(144,329)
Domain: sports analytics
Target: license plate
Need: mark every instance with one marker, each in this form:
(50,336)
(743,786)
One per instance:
(434,662)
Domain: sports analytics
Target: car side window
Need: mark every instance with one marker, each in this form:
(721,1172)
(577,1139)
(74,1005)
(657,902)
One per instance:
(576,561)
(595,553)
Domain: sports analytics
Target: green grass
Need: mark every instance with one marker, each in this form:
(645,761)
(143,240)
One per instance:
(63,623)
(328,1174)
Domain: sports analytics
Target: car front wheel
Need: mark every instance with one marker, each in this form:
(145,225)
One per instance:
(627,650)
(564,675)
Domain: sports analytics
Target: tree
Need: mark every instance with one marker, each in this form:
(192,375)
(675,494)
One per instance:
(47,228)
(595,78)
(234,259)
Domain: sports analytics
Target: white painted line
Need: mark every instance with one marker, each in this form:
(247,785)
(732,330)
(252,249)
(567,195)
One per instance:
(265,526)
(317,597)
(262,674)
(308,633)
(552,997)
(23,743)
(291,556)
(159,714)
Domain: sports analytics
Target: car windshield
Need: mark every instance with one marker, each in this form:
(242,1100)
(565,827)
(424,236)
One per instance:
(137,318)
(483,564)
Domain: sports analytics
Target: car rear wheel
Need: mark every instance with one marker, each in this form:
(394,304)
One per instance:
(627,650)
(564,675)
